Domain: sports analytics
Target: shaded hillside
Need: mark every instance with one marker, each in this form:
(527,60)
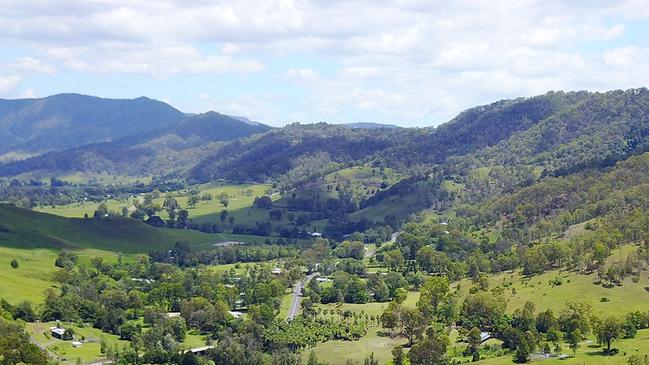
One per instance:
(23,228)
(596,130)
(69,120)
(160,152)
(274,153)
(271,155)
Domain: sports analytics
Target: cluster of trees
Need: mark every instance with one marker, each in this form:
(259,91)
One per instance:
(15,347)
(184,255)
(307,331)
(483,312)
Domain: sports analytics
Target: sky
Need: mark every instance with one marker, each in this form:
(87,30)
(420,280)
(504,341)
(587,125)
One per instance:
(405,62)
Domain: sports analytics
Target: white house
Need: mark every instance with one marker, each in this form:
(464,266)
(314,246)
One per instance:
(58,332)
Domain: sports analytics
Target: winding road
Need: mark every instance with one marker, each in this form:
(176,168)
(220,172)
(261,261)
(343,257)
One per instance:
(393,239)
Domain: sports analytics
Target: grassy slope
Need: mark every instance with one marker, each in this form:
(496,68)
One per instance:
(89,351)
(34,239)
(337,352)
(575,287)
(589,353)
(21,228)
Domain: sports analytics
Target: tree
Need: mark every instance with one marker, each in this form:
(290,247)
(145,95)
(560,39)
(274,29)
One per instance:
(429,351)
(398,357)
(482,309)
(433,292)
(390,318)
(573,338)
(526,344)
(400,295)
(474,338)
(14,263)
(263,202)
(393,259)
(413,324)
(607,331)
(192,201)
(370,360)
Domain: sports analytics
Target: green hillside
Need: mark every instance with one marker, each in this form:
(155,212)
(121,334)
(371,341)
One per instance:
(20,228)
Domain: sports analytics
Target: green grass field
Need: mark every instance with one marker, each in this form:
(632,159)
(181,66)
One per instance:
(88,352)
(33,276)
(336,352)
(239,197)
(575,287)
(589,353)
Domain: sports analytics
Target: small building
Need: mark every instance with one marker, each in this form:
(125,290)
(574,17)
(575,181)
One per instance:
(76,344)
(276,271)
(316,234)
(235,314)
(200,350)
(484,336)
(322,280)
(173,314)
(58,333)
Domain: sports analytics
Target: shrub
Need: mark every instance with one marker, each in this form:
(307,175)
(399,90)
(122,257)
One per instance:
(14,263)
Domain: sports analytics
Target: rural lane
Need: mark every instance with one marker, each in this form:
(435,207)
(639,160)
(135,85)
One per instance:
(297,291)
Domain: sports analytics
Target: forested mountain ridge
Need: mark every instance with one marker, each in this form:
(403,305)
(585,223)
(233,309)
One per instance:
(403,148)
(276,152)
(598,129)
(32,126)
(157,152)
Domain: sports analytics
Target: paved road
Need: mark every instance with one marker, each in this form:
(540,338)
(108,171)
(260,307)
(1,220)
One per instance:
(393,238)
(297,295)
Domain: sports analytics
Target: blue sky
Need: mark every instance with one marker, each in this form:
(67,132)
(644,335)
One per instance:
(407,62)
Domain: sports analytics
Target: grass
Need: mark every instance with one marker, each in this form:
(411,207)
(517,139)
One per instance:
(30,279)
(22,228)
(285,306)
(589,353)
(88,352)
(34,239)
(34,274)
(239,198)
(575,287)
(337,352)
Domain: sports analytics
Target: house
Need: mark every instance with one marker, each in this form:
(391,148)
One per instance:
(316,234)
(76,344)
(484,336)
(322,280)
(58,333)
(276,271)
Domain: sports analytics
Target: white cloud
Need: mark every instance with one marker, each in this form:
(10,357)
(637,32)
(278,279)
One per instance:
(413,60)
(8,83)
(32,65)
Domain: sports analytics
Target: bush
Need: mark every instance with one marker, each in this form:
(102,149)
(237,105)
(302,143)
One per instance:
(14,263)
